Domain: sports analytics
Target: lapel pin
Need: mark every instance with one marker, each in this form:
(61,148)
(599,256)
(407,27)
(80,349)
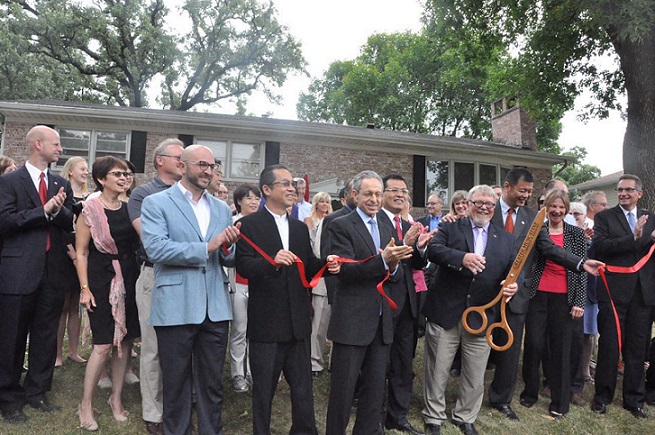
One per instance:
(522,222)
(495,236)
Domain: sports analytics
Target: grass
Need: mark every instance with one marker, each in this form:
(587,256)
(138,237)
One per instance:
(67,392)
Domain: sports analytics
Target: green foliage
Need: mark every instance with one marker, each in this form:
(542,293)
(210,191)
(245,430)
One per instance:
(120,49)
(577,172)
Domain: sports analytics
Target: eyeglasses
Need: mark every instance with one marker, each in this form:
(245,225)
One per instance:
(626,189)
(173,157)
(480,204)
(432,203)
(119,174)
(396,191)
(203,165)
(576,213)
(371,194)
(284,183)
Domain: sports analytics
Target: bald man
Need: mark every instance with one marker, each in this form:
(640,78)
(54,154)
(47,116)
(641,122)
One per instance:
(188,236)
(35,215)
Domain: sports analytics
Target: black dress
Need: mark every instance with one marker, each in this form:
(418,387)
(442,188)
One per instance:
(101,272)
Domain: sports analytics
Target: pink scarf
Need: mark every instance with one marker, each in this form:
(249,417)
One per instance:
(94,214)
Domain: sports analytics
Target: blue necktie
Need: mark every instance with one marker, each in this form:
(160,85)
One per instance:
(375,234)
(631,221)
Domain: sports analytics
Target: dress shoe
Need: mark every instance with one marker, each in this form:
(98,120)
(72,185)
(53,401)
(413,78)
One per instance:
(432,429)
(154,428)
(507,411)
(598,408)
(636,412)
(527,403)
(14,417)
(403,427)
(556,415)
(467,428)
(44,406)
(578,399)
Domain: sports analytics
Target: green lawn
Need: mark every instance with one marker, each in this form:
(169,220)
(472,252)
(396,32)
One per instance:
(67,392)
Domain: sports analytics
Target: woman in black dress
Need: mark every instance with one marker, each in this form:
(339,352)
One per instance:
(106,266)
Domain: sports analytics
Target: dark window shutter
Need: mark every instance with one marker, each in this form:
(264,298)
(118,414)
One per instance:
(272,154)
(418,181)
(187,139)
(138,150)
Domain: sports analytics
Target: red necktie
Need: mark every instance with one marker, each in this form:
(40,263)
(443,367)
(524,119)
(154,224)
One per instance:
(509,223)
(399,229)
(43,194)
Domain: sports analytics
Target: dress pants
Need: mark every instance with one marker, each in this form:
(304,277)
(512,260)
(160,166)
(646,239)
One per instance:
(440,348)
(35,314)
(635,320)
(320,323)
(549,323)
(501,390)
(348,361)
(239,359)
(149,368)
(293,359)
(193,356)
(400,375)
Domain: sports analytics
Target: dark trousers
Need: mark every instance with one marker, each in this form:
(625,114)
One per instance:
(549,323)
(267,361)
(191,358)
(400,374)
(37,314)
(577,346)
(650,373)
(502,387)
(635,321)
(347,362)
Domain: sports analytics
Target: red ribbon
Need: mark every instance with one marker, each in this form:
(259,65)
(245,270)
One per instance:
(314,281)
(621,269)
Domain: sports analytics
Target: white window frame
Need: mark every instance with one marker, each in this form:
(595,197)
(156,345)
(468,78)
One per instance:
(451,173)
(93,141)
(227,162)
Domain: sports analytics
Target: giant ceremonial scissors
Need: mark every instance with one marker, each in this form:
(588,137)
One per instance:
(511,278)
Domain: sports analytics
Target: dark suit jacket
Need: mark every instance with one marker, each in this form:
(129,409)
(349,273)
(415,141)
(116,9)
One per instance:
(615,245)
(357,303)
(405,289)
(524,217)
(331,281)
(455,288)
(278,303)
(24,228)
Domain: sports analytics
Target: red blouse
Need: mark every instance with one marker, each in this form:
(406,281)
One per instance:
(553,280)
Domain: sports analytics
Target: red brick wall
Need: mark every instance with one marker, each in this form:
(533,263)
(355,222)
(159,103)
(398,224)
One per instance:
(14,145)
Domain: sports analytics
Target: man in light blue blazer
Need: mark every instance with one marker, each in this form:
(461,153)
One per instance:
(188,235)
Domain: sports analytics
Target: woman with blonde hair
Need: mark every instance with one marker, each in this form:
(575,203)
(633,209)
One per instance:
(459,204)
(76,171)
(7,165)
(321,207)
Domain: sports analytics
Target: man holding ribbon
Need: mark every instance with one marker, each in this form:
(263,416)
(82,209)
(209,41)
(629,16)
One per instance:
(279,318)
(622,236)
(361,325)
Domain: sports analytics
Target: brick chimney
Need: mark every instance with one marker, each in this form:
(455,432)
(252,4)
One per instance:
(511,125)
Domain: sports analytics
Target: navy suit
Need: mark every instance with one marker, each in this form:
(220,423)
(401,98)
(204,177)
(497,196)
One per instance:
(32,284)
(634,297)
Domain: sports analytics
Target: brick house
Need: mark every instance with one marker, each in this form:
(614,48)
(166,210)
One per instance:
(329,154)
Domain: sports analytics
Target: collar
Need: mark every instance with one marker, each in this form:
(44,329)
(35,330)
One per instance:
(391,216)
(485,228)
(504,207)
(366,218)
(35,173)
(278,217)
(633,211)
(188,195)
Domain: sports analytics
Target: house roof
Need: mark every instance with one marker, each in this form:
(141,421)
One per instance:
(265,129)
(598,183)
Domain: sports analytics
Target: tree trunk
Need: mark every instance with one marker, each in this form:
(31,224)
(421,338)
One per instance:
(638,65)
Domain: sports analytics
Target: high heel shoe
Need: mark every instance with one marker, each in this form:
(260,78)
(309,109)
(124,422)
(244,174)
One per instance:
(91,426)
(118,416)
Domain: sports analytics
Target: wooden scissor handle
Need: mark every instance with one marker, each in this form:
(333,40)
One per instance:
(481,310)
(502,325)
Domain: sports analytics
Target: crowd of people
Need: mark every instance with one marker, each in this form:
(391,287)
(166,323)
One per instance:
(201,278)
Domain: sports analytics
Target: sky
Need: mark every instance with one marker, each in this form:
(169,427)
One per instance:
(336,30)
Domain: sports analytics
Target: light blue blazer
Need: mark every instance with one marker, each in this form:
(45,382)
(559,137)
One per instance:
(189,285)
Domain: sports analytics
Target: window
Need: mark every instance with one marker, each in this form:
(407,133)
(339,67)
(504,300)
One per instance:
(92,144)
(240,160)
(444,177)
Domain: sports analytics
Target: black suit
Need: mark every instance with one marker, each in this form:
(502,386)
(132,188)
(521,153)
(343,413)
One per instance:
(634,297)
(502,387)
(400,374)
(331,282)
(361,325)
(32,284)
(279,322)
